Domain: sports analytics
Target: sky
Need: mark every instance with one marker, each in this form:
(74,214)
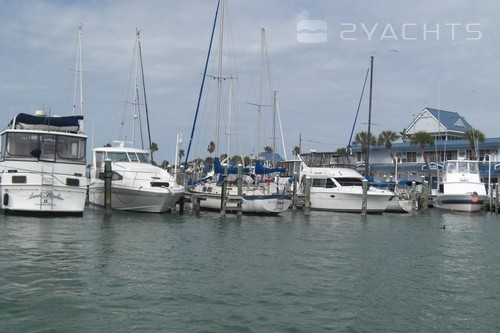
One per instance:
(426,54)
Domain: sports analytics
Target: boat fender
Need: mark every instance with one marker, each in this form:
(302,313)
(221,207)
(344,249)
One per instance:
(6,199)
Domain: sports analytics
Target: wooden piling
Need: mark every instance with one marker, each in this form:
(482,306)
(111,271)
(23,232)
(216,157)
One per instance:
(364,202)
(413,198)
(307,196)
(294,193)
(239,210)
(108,175)
(223,195)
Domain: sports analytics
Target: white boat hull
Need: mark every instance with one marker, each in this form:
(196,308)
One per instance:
(138,199)
(62,191)
(400,206)
(349,201)
(262,204)
(459,202)
(255,200)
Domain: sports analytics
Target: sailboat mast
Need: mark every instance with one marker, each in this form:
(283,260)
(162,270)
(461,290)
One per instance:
(281,127)
(78,72)
(369,135)
(259,108)
(136,89)
(144,92)
(273,160)
(219,80)
(202,85)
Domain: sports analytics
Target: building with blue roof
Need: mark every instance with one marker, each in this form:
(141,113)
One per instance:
(448,129)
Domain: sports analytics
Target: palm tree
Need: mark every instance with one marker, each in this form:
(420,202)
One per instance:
(180,153)
(387,138)
(421,139)
(296,150)
(342,151)
(164,164)
(152,149)
(361,139)
(403,135)
(211,147)
(268,149)
(474,136)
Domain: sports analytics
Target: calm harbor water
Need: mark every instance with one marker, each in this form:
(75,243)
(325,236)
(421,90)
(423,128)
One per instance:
(291,273)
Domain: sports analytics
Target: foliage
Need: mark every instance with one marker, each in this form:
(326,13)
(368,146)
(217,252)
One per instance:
(473,136)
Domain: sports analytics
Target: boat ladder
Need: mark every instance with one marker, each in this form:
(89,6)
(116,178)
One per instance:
(47,189)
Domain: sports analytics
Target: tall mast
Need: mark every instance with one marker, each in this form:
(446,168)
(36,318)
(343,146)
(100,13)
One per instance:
(219,80)
(144,92)
(273,160)
(259,108)
(202,85)
(78,72)
(368,139)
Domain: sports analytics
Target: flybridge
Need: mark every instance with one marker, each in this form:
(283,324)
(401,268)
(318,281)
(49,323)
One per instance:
(70,124)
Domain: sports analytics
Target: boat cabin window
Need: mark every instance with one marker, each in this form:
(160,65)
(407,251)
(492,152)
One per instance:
(325,183)
(144,157)
(70,148)
(350,181)
(133,157)
(43,147)
(318,183)
(118,156)
(330,183)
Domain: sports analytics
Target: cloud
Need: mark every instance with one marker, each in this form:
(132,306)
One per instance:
(318,85)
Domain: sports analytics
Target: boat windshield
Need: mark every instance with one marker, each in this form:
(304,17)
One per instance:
(144,157)
(43,147)
(118,156)
(328,159)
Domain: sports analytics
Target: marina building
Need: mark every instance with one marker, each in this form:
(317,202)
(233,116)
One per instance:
(404,160)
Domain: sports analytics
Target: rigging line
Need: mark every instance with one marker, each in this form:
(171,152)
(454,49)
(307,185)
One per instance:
(202,83)
(140,118)
(357,111)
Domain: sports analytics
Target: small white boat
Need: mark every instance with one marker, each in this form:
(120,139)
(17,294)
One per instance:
(136,184)
(42,165)
(462,189)
(402,200)
(337,186)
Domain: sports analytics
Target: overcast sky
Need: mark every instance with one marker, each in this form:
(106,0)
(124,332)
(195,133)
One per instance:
(438,54)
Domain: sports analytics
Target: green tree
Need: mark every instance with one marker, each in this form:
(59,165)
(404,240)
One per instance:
(342,151)
(387,138)
(268,149)
(296,150)
(152,149)
(180,154)
(211,147)
(164,164)
(422,139)
(474,136)
(364,142)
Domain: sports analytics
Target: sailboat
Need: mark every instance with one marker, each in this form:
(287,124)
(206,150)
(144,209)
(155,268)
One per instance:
(254,196)
(42,162)
(137,184)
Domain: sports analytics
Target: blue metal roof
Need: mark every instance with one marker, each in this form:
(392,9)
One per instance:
(439,145)
(269,156)
(450,120)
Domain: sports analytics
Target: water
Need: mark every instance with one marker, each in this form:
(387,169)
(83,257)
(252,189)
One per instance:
(325,273)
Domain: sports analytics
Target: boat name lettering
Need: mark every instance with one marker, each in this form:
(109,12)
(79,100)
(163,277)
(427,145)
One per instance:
(48,195)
